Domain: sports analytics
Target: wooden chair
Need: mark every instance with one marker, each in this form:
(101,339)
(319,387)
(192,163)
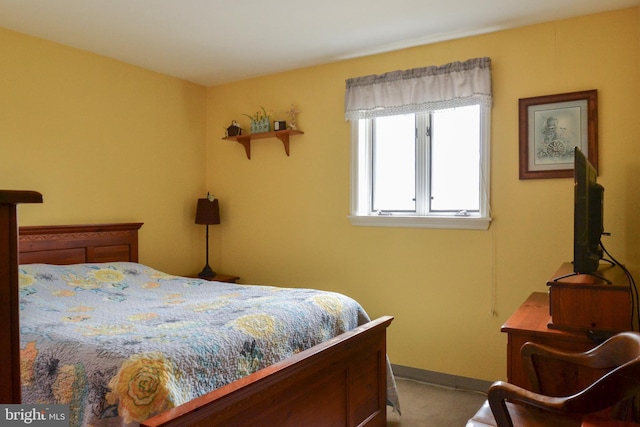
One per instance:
(617,360)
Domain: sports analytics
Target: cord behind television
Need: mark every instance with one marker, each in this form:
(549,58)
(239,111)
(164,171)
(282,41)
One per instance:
(635,303)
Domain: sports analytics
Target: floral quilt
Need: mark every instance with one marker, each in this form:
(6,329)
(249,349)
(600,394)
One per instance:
(120,342)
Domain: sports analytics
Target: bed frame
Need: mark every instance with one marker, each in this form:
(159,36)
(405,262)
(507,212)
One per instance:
(341,382)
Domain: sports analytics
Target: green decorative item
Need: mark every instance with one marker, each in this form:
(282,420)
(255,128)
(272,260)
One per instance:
(260,121)
(258,126)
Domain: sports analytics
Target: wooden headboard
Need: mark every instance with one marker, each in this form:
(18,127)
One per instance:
(77,244)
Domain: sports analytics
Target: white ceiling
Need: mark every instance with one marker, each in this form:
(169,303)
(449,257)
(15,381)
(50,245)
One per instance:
(217,41)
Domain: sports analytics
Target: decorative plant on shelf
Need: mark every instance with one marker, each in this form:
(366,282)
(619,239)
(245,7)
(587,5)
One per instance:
(259,121)
(293,111)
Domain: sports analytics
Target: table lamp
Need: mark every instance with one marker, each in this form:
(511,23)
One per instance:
(207,212)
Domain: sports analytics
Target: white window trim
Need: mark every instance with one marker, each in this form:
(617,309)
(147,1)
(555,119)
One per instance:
(360,171)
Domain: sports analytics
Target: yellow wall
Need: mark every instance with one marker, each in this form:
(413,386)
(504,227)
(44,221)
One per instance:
(108,142)
(104,142)
(285,218)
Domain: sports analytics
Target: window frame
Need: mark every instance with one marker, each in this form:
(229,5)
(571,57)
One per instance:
(360,214)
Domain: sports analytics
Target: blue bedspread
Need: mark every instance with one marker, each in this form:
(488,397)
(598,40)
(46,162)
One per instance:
(120,342)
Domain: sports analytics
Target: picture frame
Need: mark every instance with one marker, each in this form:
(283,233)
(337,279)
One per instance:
(550,126)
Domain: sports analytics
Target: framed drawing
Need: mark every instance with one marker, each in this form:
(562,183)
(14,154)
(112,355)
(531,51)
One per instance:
(550,126)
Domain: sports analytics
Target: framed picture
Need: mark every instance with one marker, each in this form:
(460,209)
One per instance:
(551,126)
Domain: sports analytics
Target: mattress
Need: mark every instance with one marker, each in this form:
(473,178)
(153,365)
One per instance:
(120,342)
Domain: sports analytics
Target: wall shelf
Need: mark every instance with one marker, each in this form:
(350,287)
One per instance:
(245,140)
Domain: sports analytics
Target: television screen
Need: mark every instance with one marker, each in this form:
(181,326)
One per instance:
(588,216)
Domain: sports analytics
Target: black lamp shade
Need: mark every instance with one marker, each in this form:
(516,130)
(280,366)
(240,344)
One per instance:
(207,212)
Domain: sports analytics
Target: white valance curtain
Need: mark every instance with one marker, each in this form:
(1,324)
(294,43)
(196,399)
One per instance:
(419,89)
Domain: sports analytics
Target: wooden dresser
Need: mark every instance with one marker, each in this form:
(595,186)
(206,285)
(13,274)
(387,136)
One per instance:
(530,322)
(562,318)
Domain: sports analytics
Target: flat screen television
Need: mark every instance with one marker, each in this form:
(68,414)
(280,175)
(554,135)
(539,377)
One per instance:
(588,224)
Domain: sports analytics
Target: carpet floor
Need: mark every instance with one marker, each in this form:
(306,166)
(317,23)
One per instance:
(427,405)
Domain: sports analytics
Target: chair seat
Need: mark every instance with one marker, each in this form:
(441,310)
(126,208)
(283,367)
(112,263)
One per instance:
(522,416)
(599,422)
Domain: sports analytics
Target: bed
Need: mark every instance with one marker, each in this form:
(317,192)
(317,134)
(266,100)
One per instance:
(341,378)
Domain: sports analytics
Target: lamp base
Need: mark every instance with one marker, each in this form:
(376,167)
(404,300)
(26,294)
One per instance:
(206,273)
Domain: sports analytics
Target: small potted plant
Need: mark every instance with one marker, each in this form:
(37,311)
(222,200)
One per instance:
(259,121)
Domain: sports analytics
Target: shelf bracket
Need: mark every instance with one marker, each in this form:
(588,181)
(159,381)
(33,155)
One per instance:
(245,140)
(284,137)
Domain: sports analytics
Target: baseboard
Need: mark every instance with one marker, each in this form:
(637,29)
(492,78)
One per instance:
(441,379)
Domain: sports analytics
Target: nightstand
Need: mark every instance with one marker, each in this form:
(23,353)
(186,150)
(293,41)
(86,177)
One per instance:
(220,278)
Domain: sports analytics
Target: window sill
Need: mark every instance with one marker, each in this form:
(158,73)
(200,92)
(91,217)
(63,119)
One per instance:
(448,222)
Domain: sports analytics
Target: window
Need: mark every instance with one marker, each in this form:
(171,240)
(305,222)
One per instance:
(424,168)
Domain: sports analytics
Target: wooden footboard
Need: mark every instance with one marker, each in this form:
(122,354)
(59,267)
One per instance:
(341,382)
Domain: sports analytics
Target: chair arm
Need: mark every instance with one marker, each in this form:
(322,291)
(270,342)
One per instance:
(501,391)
